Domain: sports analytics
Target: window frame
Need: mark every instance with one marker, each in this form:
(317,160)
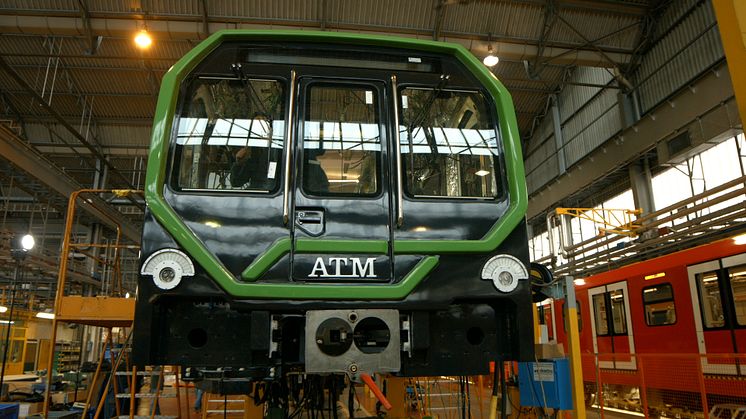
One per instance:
(173,161)
(494,122)
(305,87)
(645,304)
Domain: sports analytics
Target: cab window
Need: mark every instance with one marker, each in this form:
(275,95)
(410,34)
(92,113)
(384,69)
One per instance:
(230,134)
(658,305)
(341,141)
(449,145)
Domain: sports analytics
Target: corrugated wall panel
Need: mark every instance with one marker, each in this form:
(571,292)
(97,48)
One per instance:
(541,165)
(573,98)
(690,48)
(595,134)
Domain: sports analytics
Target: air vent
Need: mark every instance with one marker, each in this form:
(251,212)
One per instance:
(679,144)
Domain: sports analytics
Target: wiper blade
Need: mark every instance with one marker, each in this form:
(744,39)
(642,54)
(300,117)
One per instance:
(425,110)
(251,92)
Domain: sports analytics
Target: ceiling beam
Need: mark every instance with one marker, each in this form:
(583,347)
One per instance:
(710,101)
(31,161)
(18,79)
(508,48)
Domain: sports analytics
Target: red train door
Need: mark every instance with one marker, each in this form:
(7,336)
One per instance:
(611,326)
(718,290)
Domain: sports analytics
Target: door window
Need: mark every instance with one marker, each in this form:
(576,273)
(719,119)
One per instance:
(710,301)
(659,305)
(341,141)
(449,144)
(600,313)
(230,134)
(737,276)
(618,314)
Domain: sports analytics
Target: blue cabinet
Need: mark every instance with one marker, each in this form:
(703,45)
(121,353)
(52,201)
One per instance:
(546,384)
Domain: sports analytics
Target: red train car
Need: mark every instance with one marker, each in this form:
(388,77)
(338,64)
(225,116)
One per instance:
(673,325)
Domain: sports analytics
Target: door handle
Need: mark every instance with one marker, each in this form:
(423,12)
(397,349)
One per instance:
(309,217)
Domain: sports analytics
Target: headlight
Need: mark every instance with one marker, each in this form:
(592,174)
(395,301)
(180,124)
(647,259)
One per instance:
(505,271)
(167,267)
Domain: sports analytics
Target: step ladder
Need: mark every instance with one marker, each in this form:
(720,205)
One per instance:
(148,396)
(233,405)
(145,402)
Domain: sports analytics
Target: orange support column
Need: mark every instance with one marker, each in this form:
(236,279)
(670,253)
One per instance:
(731,17)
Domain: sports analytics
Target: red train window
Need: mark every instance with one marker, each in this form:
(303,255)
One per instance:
(738,286)
(659,305)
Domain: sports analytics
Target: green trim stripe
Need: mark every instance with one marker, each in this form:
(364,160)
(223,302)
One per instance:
(156,173)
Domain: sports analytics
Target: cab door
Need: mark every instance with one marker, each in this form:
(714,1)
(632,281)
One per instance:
(341,203)
(611,325)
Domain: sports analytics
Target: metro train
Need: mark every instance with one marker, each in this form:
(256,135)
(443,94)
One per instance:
(675,324)
(325,202)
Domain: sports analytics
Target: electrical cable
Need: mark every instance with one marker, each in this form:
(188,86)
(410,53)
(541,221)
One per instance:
(503,392)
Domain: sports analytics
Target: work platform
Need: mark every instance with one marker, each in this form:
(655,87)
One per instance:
(97,311)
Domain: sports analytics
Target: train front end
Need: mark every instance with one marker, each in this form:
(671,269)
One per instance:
(333,203)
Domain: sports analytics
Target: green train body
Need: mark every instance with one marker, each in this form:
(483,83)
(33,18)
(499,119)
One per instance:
(333,203)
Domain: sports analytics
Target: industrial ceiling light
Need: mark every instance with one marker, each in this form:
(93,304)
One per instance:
(143,39)
(3,309)
(491,59)
(27,242)
(20,246)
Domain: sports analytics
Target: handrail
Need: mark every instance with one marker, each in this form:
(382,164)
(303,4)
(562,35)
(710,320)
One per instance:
(397,144)
(289,150)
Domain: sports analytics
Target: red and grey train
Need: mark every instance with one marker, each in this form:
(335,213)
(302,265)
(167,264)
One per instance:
(672,325)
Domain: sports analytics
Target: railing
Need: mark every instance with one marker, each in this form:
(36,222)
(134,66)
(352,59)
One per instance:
(713,214)
(678,386)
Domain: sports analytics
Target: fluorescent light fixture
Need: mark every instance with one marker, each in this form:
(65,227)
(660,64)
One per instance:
(213,224)
(579,282)
(420,229)
(740,239)
(45,315)
(653,276)
(344,181)
(3,309)
(143,39)
(626,412)
(482,173)
(6,322)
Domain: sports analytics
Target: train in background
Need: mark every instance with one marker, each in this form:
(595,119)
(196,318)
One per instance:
(326,202)
(682,315)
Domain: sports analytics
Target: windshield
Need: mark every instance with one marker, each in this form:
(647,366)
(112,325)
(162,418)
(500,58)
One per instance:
(230,135)
(449,144)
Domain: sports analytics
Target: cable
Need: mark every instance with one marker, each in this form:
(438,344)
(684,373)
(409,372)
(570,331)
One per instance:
(503,392)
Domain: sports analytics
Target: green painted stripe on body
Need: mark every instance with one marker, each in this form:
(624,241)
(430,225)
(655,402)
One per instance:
(266,260)
(164,213)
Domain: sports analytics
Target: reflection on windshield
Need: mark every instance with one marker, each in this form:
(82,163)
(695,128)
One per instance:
(449,145)
(230,135)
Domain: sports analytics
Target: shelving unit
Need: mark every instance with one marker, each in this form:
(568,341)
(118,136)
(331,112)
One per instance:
(66,356)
